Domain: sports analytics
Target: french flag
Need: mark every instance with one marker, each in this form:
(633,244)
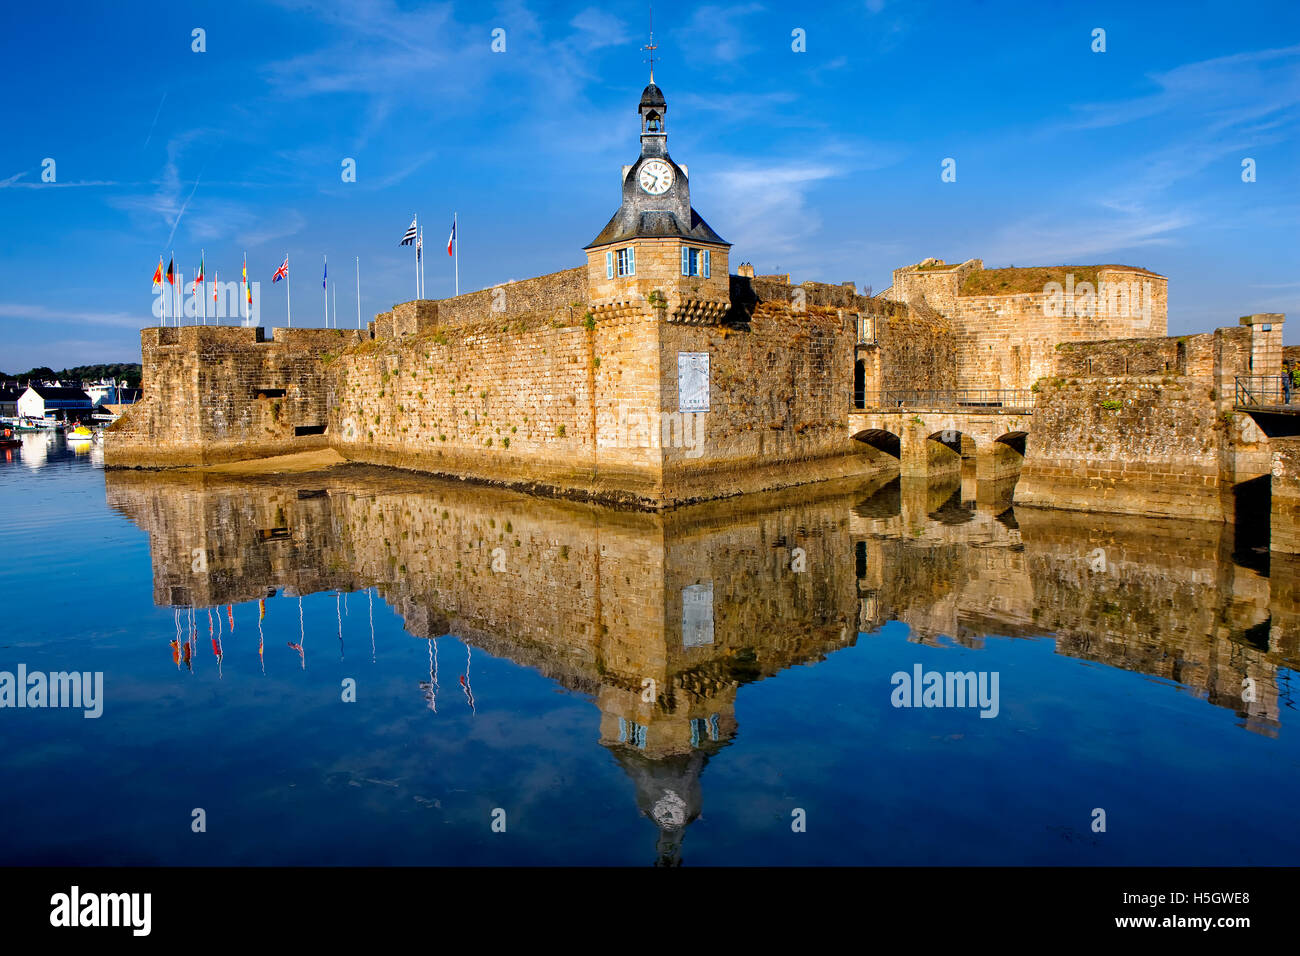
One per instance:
(451,240)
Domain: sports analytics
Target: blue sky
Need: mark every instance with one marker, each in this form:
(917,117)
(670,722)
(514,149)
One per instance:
(824,164)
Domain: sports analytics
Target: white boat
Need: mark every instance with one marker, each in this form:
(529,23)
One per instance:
(28,424)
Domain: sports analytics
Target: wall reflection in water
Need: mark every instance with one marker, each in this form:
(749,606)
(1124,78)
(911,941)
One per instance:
(662,618)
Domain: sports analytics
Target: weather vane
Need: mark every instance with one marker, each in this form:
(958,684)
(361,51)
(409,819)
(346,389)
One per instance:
(650,47)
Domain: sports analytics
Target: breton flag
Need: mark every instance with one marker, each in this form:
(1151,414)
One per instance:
(158,274)
(451,240)
(282,272)
(411,232)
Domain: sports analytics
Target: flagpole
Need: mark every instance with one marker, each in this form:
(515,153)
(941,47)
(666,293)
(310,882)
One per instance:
(202,277)
(417,262)
(180,276)
(245,295)
(216,278)
(163,321)
(288,292)
(325,287)
(358,293)
(335,292)
(421,258)
(455,232)
(175,320)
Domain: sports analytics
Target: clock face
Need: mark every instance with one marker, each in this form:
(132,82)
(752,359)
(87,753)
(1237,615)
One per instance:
(656,177)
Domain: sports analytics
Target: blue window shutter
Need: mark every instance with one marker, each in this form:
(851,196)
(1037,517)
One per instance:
(609,265)
(686,261)
(631,260)
(706,263)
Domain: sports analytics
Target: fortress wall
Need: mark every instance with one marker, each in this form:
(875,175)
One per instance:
(780,392)
(201,389)
(917,349)
(1007,340)
(563,294)
(1154,451)
(534,402)
(529,401)
(1285,494)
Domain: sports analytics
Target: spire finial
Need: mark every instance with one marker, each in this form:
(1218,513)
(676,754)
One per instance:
(650,47)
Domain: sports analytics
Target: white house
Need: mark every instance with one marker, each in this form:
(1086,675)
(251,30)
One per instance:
(67,404)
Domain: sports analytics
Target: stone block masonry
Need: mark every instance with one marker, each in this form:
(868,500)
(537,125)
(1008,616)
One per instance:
(1285,493)
(1148,426)
(1006,323)
(548,397)
(214,394)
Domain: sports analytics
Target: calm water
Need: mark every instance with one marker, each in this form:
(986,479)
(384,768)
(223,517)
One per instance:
(502,649)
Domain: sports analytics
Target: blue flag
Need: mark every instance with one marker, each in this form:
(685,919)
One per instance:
(325,276)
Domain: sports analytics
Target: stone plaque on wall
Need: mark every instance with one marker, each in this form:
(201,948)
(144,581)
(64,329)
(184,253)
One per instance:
(697,615)
(692,381)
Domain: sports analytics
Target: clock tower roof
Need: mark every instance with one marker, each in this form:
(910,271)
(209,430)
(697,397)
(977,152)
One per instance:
(666,212)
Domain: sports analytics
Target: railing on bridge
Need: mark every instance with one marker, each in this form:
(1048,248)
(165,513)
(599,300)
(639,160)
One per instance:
(1268,391)
(973,400)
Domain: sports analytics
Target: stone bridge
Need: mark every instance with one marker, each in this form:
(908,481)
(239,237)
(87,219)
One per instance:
(931,433)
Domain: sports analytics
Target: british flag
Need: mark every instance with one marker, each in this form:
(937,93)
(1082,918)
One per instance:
(282,272)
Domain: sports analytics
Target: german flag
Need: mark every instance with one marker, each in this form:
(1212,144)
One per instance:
(171,271)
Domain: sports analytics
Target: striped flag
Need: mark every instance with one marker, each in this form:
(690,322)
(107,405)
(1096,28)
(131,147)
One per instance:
(451,240)
(171,271)
(411,232)
(248,289)
(157,273)
(198,279)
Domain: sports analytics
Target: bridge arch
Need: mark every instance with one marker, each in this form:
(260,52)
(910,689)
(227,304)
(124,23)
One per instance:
(882,440)
(1014,441)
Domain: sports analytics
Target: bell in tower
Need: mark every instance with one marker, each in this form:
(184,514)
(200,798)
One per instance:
(653,107)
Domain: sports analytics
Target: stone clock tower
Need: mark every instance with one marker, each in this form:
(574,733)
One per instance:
(657,252)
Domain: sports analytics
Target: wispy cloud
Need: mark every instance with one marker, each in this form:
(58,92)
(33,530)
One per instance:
(1097,231)
(597,28)
(1225,92)
(768,211)
(719,33)
(40,313)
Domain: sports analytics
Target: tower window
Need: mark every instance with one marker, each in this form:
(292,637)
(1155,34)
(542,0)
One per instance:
(695,262)
(627,261)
